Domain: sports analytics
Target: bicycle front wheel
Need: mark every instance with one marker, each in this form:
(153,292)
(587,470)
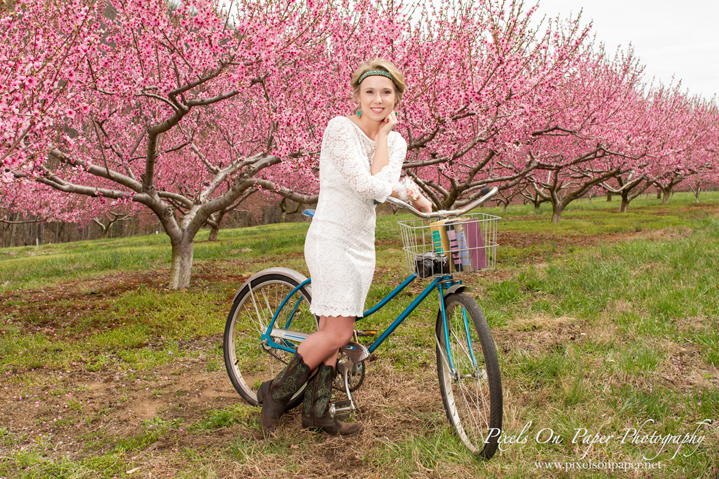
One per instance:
(469,377)
(249,361)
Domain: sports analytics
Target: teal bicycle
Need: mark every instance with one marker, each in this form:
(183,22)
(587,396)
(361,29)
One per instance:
(270,317)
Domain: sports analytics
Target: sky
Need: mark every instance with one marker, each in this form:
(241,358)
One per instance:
(679,38)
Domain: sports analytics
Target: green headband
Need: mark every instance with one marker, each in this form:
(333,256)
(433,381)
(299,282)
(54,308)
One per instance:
(375,72)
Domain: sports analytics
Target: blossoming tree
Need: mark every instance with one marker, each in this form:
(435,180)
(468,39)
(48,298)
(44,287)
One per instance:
(189,110)
(146,95)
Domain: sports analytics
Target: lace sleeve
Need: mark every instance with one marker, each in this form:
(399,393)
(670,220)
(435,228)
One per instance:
(397,153)
(346,156)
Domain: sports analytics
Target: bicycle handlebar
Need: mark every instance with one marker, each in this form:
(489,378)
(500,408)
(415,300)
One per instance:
(486,193)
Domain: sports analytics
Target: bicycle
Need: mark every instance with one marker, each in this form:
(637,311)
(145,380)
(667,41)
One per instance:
(270,316)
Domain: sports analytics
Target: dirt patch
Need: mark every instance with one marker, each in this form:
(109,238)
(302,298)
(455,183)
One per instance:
(527,240)
(86,414)
(539,334)
(112,405)
(54,310)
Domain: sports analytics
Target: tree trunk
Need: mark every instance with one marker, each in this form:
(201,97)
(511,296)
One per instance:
(557,210)
(666,195)
(609,196)
(215,228)
(624,204)
(285,210)
(13,231)
(213,233)
(181,268)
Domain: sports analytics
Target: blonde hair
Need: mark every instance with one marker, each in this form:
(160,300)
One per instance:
(385,65)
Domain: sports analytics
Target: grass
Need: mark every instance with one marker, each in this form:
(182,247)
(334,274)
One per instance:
(604,324)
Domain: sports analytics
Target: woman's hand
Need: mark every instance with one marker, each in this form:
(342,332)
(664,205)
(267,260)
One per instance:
(422,204)
(388,124)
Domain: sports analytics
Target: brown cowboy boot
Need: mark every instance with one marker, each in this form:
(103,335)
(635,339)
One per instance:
(275,394)
(316,405)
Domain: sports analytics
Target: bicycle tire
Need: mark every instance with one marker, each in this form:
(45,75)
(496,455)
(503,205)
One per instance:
(473,399)
(248,362)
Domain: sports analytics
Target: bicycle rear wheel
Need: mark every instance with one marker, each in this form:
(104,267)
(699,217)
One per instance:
(472,388)
(249,361)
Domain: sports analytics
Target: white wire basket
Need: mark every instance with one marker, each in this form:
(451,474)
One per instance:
(459,245)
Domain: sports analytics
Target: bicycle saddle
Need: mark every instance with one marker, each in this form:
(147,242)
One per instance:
(355,351)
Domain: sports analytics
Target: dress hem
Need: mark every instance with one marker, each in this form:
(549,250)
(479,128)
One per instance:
(335,313)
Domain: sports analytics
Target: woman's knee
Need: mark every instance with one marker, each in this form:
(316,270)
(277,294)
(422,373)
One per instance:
(340,330)
(345,337)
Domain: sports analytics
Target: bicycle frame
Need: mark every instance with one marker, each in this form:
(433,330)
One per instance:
(439,283)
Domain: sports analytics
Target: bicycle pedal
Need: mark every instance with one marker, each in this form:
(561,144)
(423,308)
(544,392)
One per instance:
(341,408)
(366,332)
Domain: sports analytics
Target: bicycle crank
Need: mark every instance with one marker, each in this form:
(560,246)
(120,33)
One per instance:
(347,370)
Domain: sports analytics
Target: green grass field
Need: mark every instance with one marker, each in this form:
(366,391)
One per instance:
(605,324)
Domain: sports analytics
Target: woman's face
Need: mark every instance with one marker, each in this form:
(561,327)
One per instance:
(376,97)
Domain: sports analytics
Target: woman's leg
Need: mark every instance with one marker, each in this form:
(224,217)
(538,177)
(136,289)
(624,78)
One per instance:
(332,358)
(319,348)
(322,346)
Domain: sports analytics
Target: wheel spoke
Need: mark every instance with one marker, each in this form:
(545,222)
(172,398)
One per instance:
(250,362)
(463,345)
(475,408)
(480,418)
(260,326)
(467,391)
(271,313)
(470,396)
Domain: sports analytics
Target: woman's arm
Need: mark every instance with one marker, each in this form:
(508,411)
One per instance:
(397,152)
(422,204)
(381,154)
(338,140)
(407,190)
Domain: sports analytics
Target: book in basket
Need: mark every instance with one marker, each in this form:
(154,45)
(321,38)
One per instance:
(462,241)
(475,244)
(439,237)
(458,246)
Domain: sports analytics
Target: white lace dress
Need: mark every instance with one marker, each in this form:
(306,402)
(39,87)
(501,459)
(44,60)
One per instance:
(339,248)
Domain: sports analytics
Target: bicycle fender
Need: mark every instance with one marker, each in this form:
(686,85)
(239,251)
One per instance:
(296,275)
(455,288)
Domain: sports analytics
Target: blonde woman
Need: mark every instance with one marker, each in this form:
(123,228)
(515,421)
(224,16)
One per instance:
(360,164)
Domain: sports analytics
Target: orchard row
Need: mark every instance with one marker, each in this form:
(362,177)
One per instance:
(188,110)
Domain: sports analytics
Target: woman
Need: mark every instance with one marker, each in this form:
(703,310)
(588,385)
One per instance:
(360,164)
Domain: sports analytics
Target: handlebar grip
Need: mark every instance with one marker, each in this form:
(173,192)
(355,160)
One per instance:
(487,190)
